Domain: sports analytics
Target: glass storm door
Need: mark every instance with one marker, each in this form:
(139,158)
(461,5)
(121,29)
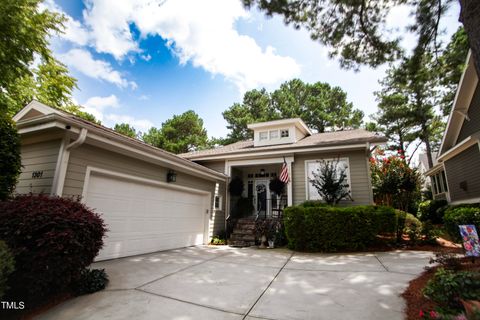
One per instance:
(261,203)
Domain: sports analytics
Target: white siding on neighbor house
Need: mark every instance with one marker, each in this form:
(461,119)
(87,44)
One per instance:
(40,158)
(359,176)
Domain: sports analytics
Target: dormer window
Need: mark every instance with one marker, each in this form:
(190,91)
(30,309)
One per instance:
(263,135)
(284,133)
(273,134)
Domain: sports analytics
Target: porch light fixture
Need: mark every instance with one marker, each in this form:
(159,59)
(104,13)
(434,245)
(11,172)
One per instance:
(171,176)
(262,172)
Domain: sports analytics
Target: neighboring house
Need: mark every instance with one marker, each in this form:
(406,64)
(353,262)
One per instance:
(456,177)
(290,141)
(150,199)
(423,168)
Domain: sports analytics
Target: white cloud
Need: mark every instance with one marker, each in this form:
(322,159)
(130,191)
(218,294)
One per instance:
(97,105)
(109,25)
(139,124)
(74,31)
(83,61)
(199,32)
(103,102)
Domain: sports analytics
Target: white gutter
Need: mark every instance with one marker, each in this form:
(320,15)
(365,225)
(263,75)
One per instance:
(62,161)
(80,140)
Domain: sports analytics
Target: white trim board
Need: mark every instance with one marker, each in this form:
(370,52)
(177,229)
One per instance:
(170,185)
(472,200)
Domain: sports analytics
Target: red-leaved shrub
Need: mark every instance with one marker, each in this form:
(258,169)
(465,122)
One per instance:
(52,239)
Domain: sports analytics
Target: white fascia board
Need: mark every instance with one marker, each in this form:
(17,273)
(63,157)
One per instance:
(466,88)
(436,168)
(55,120)
(34,104)
(163,160)
(280,152)
(462,146)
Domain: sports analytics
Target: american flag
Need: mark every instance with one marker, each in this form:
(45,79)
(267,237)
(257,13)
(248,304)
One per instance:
(284,173)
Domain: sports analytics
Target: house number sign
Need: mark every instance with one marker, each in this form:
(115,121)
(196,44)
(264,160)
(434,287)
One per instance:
(37,174)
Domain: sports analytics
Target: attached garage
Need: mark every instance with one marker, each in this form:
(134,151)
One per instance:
(145,216)
(123,179)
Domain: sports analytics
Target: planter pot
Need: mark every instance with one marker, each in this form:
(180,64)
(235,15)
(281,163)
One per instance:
(263,241)
(271,244)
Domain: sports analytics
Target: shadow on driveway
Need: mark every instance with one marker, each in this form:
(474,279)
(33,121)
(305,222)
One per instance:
(231,283)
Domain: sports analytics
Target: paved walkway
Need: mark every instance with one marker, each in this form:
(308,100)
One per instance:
(231,283)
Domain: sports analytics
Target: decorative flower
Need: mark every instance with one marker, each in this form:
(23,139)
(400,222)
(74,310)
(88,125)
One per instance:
(421,314)
(434,314)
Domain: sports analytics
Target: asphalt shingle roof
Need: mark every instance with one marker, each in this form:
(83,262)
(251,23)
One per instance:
(316,140)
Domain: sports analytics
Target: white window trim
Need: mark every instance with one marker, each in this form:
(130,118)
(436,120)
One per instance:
(270,134)
(220,203)
(307,183)
(260,136)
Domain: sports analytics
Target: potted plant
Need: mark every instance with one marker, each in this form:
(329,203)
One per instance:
(266,231)
(236,186)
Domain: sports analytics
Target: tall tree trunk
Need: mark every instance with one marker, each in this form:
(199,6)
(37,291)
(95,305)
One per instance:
(428,148)
(470,17)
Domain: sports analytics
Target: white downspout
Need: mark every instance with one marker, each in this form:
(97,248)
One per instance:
(62,162)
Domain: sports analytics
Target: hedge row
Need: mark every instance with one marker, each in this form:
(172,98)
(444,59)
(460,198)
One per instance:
(460,215)
(321,228)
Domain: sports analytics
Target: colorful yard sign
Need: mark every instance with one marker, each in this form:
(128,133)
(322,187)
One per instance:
(470,240)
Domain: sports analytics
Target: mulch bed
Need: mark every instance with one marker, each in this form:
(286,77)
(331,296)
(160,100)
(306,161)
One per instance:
(415,300)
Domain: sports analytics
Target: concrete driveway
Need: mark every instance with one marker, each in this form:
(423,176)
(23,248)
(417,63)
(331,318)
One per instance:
(231,283)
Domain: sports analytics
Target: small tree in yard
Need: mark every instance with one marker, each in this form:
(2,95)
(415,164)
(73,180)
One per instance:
(394,182)
(331,182)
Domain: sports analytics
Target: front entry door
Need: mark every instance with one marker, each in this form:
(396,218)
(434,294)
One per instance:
(261,203)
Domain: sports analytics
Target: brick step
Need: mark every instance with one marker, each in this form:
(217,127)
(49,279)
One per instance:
(240,243)
(244,237)
(244,229)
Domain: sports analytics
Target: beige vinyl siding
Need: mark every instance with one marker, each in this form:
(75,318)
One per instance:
(42,157)
(464,167)
(87,155)
(218,216)
(359,176)
(472,125)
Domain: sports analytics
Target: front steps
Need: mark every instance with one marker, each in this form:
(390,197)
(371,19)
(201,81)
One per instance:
(243,234)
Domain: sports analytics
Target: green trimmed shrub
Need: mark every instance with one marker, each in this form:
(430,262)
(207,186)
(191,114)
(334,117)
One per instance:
(52,239)
(314,203)
(456,216)
(7,265)
(10,163)
(447,287)
(329,229)
(413,227)
(432,210)
(401,219)
(90,281)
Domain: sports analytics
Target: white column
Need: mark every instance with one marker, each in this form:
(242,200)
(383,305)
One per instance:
(289,184)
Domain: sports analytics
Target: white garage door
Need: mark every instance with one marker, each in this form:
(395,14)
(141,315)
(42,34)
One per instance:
(144,217)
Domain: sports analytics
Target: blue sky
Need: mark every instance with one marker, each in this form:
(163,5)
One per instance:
(143,61)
